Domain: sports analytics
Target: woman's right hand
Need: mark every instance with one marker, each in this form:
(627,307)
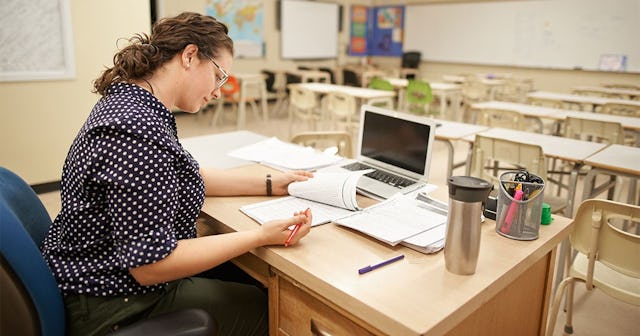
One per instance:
(276,232)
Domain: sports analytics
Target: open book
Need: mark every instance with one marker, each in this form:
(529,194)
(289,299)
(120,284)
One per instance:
(331,196)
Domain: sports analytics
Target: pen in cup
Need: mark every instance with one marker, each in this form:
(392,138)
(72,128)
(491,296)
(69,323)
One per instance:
(295,229)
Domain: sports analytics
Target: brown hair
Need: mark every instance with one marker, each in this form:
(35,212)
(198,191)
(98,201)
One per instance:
(169,36)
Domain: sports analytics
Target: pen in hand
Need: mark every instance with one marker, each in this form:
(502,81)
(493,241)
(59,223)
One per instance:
(295,229)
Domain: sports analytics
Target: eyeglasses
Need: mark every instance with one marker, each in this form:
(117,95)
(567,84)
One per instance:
(220,80)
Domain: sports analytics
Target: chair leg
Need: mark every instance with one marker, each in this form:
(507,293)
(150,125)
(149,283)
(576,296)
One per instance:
(568,326)
(553,313)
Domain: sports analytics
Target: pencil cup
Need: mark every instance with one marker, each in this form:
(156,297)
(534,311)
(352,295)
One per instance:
(519,207)
(462,242)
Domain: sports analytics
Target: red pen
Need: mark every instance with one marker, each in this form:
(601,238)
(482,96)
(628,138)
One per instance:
(295,229)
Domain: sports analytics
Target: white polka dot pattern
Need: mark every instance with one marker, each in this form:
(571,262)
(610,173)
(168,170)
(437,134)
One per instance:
(129,193)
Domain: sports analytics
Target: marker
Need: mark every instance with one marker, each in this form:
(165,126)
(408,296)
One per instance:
(378,265)
(295,229)
(511,211)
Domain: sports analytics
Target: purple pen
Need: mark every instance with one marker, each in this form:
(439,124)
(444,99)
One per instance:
(370,268)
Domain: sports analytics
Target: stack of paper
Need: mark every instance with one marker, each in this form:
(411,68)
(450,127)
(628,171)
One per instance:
(282,155)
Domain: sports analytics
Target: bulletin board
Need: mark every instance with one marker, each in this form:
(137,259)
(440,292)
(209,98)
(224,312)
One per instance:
(36,42)
(564,34)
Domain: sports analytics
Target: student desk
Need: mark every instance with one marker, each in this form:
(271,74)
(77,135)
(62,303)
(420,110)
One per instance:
(315,285)
(581,100)
(311,75)
(614,160)
(449,131)
(609,92)
(566,149)
(366,95)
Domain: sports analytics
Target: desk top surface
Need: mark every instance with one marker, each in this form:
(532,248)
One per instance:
(414,296)
(553,146)
(617,158)
(579,98)
(357,92)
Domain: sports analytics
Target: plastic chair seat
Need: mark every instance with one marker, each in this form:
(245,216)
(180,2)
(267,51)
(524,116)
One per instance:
(615,284)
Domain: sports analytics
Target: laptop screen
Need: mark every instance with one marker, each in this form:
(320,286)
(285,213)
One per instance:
(396,139)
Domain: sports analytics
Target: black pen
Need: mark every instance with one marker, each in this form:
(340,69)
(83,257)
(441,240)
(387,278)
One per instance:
(378,265)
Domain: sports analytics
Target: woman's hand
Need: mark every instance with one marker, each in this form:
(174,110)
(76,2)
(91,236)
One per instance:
(282,181)
(276,232)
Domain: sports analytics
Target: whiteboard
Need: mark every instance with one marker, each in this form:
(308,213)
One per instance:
(565,34)
(308,29)
(36,40)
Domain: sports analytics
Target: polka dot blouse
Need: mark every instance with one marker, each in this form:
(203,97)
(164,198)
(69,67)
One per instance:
(129,193)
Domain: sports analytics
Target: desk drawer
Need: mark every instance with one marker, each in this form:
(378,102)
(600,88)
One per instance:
(300,313)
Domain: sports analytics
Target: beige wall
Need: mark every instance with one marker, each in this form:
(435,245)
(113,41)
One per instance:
(39,119)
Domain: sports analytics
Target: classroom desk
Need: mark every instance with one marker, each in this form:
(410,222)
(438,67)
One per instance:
(622,93)
(581,100)
(540,112)
(449,131)
(445,92)
(614,160)
(366,95)
(572,151)
(314,285)
(211,150)
(311,75)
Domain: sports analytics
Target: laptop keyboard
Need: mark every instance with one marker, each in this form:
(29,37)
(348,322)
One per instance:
(379,175)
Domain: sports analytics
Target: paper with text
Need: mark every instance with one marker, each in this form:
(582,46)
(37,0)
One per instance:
(393,220)
(285,207)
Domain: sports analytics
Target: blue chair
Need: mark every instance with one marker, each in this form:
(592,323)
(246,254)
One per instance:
(31,302)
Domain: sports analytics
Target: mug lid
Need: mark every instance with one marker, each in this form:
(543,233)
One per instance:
(469,188)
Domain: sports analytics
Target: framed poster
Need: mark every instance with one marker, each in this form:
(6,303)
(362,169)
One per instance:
(36,42)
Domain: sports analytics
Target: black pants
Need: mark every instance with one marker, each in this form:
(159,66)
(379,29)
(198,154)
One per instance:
(239,308)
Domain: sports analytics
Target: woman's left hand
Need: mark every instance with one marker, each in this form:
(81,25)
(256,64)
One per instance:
(280,182)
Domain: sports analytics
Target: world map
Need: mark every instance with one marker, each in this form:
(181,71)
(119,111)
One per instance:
(245,21)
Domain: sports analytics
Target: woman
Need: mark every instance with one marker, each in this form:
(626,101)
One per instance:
(124,245)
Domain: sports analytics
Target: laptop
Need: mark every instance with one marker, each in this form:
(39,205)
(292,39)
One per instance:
(397,146)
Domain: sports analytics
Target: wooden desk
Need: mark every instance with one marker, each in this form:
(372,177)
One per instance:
(315,284)
(211,150)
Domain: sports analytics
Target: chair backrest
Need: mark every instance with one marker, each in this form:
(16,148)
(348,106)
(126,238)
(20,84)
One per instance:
(231,87)
(326,139)
(544,102)
(269,80)
(501,118)
(594,130)
(473,90)
(597,233)
(330,72)
(629,110)
(509,154)
(340,105)
(302,98)
(24,224)
(411,59)
(378,83)
(418,95)
(349,77)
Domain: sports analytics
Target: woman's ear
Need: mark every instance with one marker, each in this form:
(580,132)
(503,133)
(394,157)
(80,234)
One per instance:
(188,54)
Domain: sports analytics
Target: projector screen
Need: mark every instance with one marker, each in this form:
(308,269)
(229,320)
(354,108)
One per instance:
(308,29)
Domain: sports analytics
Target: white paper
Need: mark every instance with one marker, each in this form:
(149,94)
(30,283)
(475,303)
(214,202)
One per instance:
(282,155)
(285,207)
(393,220)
